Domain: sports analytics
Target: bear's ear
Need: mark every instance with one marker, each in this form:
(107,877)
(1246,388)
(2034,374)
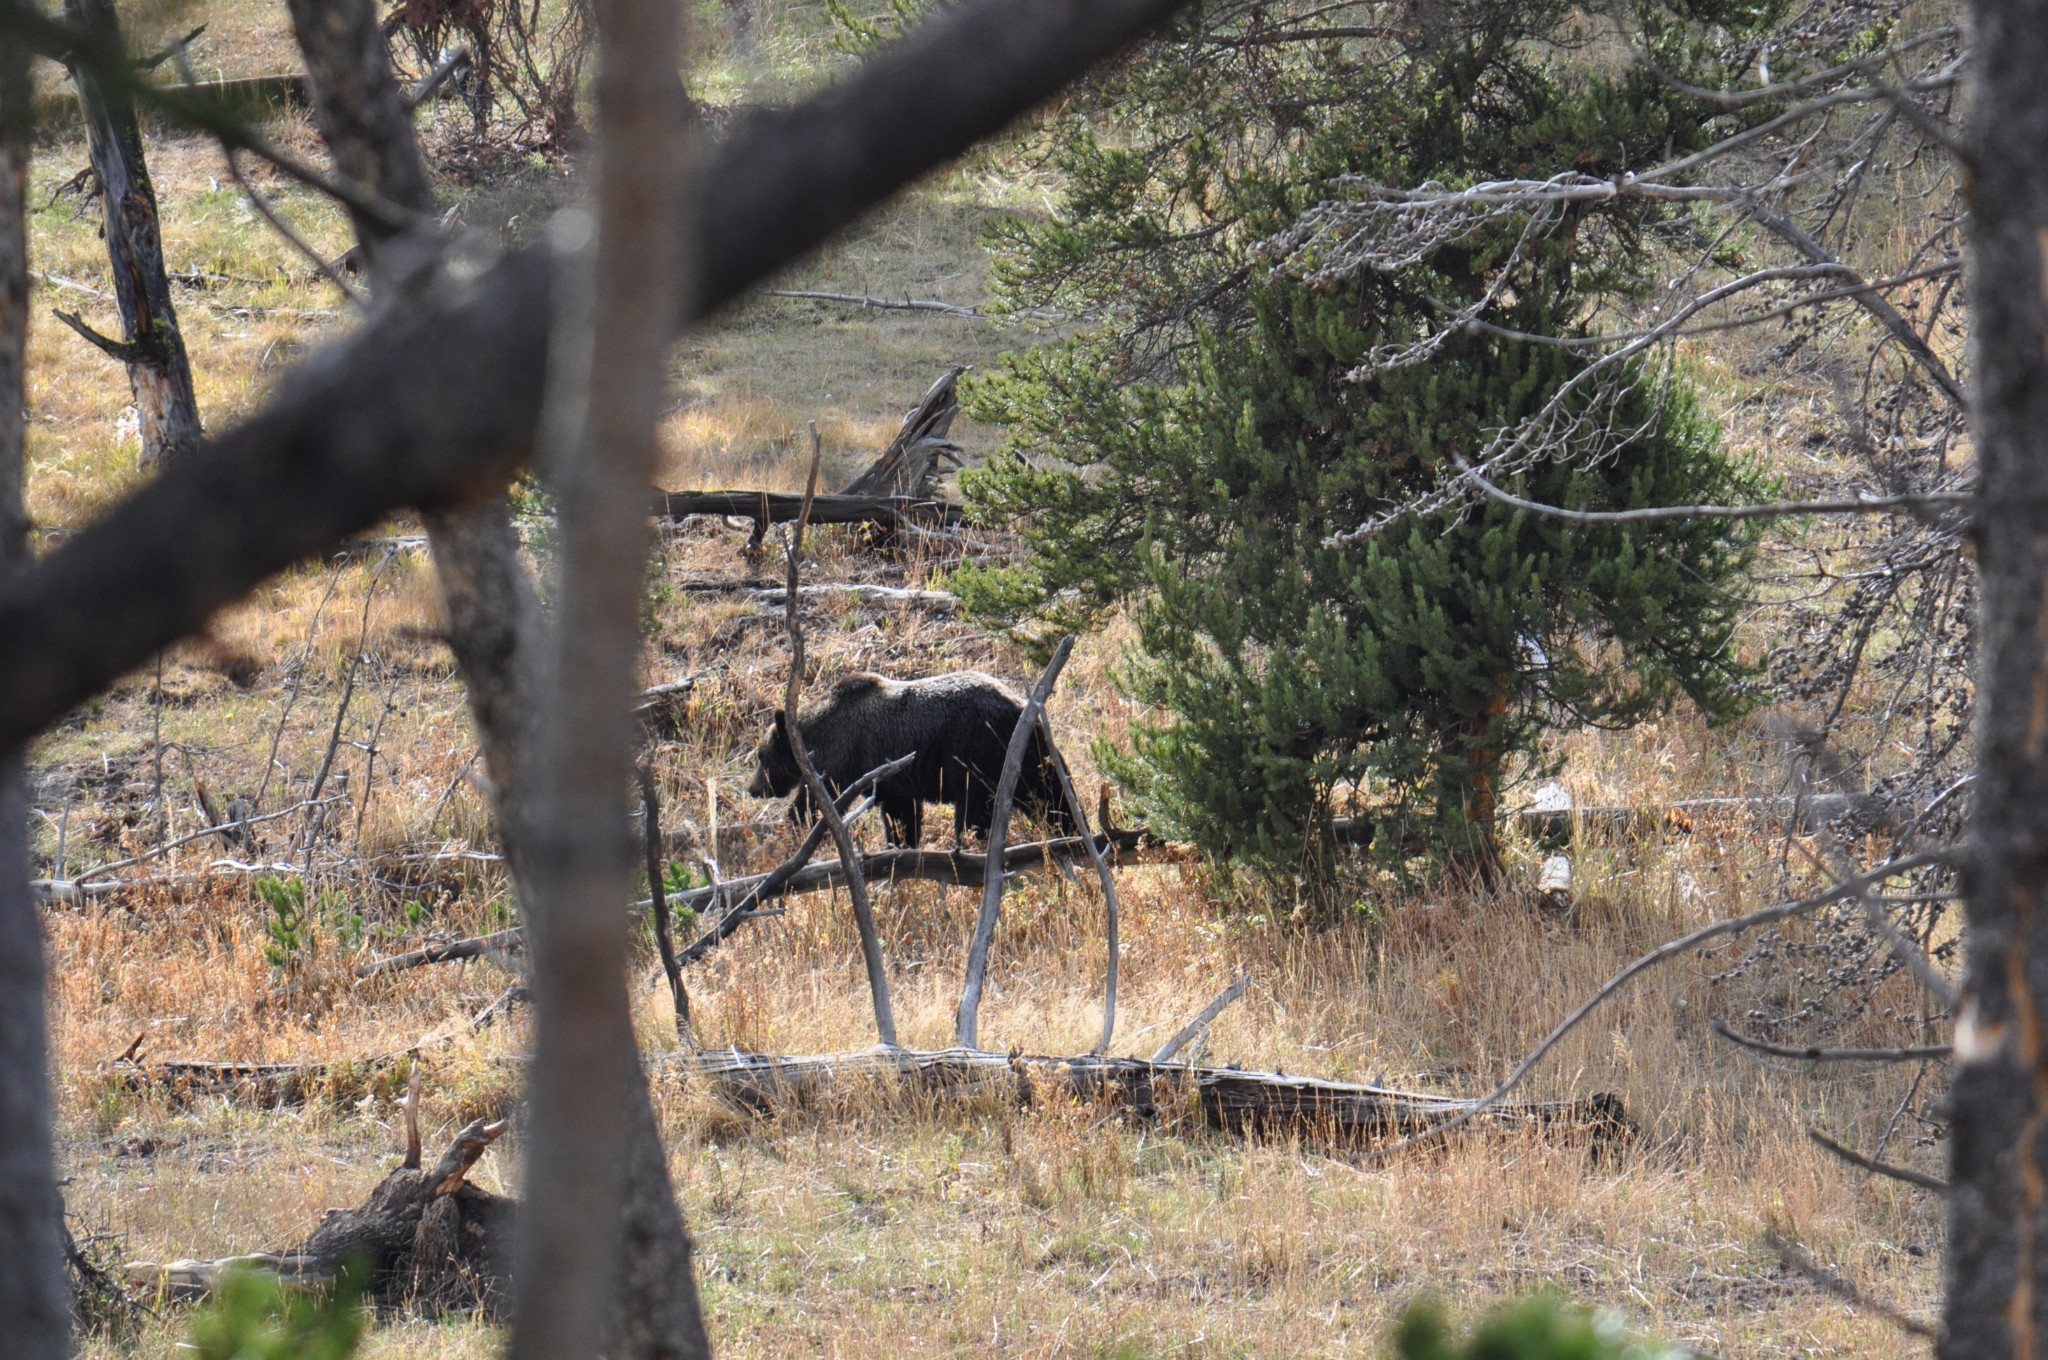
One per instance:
(781,722)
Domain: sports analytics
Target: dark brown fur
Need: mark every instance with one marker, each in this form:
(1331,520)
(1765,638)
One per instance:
(959,726)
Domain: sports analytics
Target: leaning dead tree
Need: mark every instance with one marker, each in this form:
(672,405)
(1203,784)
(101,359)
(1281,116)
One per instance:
(151,345)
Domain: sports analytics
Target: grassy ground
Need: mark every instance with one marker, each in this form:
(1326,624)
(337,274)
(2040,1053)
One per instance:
(927,1230)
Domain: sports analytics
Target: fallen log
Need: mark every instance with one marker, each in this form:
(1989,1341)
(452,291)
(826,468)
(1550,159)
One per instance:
(783,507)
(1228,1099)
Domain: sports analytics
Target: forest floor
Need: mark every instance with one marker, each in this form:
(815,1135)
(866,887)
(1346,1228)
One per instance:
(879,1227)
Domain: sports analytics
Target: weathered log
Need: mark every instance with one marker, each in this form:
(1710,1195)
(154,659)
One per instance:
(783,507)
(1263,1104)
(915,459)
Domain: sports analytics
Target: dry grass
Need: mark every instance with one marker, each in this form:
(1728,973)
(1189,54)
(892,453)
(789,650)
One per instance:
(878,1226)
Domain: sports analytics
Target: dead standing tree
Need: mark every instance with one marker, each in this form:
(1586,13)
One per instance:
(151,346)
(378,424)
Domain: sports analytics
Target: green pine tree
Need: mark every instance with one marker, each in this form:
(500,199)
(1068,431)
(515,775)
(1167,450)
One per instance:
(1196,454)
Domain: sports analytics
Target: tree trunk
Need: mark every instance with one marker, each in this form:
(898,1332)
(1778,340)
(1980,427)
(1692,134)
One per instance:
(606,387)
(494,627)
(150,345)
(1997,1303)
(32,1291)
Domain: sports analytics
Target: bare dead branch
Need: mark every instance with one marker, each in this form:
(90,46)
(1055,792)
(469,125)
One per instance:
(113,349)
(271,215)
(966,1020)
(1186,1034)
(1671,949)
(784,876)
(457,57)
(452,952)
(1250,1103)
(1816,1054)
(1798,1259)
(650,811)
(821,797)
(1111,913)
(866,303)
(97,877)
(1875,1167)
(1860,505)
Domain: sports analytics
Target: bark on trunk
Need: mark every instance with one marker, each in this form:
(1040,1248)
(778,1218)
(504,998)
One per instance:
(32,1290)
(494,628)
(158,372)
(1997,1304)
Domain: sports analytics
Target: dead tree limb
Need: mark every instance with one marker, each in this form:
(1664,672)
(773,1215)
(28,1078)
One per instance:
(911,465)
(1102,874)
(776,882)
(435,406)
(1202,1020)
(821,797)
(865,302)
(1877,1168)
(1796,1258)
(967,1019)
(1784,911)
(454,951)
(650,809)
(1922,1053)
(429,1237)
(892,513)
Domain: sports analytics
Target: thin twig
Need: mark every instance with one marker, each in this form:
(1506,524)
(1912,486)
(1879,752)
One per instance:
(770,885)
(290,233)
(105,871)
(1815,1054)
(291,697)
(1871,1164)
(1102,873)
(1796,1258)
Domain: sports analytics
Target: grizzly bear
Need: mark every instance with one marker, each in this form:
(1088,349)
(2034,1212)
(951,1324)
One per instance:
(958,725)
